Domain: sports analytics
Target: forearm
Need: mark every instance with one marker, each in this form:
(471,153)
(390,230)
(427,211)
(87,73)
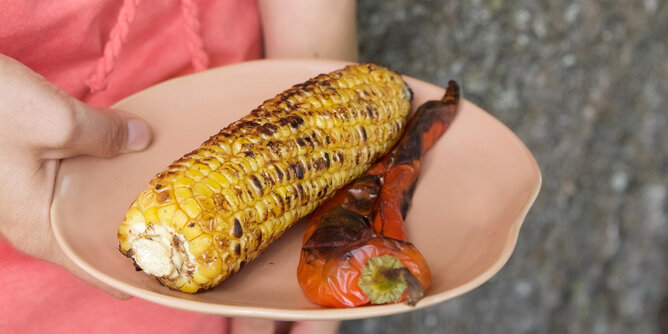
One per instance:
(309,29)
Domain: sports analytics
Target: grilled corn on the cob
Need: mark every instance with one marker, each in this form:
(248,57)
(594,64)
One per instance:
(220,206)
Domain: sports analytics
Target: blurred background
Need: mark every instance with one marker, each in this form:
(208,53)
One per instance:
(584,85)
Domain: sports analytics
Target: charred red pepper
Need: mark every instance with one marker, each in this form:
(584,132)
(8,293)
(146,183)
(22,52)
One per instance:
(355,249)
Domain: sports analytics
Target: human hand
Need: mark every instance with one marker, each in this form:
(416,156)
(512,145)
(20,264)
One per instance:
(39,126)
(261,326)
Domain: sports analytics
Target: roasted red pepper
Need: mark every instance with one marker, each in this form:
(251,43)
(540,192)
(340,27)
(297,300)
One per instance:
(355,249)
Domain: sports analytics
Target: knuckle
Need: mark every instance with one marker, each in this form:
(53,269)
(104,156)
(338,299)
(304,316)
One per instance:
(64,124)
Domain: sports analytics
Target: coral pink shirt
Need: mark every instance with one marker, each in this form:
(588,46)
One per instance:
(101,51)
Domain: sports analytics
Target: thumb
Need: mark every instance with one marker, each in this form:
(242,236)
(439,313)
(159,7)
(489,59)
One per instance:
(103,132)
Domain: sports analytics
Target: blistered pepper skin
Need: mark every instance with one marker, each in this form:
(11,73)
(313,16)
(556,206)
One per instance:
(365,221)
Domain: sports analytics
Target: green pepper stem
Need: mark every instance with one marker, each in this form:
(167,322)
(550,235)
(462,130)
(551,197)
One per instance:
(384,280)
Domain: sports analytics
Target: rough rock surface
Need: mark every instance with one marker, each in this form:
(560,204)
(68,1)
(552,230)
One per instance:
(584,84)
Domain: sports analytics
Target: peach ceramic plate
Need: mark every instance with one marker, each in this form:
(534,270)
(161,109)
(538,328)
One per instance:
(476,188)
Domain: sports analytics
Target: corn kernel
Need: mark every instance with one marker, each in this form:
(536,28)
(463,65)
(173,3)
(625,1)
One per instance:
(249,165)
(229,175)
(213,163)
(221,242)
(125,246)
(202,168)
(275,205)
(182,181)
(124,229)
(209,264)
(180,281)
(208,222)
(261,209)
(191,231)
(182,194)
(220,179)
(179,219)
(199,278)
(191,208)
(146,199)
(206,203)
(237,146)
(151,215)
(225,147)
(194,174)
(289,215)
(190,287)
(201,189)
(134,216)
(213,184)
(166,213)
(231,199)
(199,244)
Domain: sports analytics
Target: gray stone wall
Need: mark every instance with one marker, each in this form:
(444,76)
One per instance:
(584,85)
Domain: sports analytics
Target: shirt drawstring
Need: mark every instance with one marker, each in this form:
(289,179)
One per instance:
(118,35)
(198,56)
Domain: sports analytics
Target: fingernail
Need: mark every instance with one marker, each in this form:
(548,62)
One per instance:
(139,135)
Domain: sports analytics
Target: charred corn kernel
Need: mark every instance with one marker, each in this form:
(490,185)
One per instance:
(191,230)
(213,163)
(221,205)
(202,168)
(221,243)
(206,203)
(125,246)
(211,265)
(225,146)
(230,175)
(249,164)
(231,200)
(261,209)
(208,223)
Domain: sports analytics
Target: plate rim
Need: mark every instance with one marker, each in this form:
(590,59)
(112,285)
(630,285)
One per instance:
(316,313)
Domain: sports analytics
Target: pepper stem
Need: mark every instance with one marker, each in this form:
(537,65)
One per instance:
(384,280)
